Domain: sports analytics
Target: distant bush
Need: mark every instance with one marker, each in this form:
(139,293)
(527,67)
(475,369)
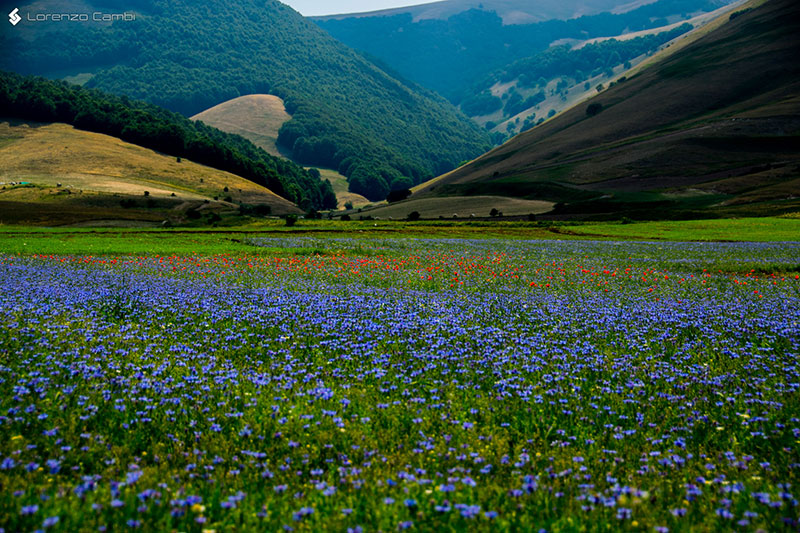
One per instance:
(260,210)
(737,14)
(345,218)
(397,196)
(291,220)
(594,109)
(413,216)
(516,104)
(484,103)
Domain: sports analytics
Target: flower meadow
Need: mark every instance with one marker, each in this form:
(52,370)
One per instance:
(432,385)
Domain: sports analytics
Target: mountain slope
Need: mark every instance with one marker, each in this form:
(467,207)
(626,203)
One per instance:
(713,130)
(189,56)
(472,40)
(55,174)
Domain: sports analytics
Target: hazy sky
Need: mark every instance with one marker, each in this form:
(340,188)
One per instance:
(334,7)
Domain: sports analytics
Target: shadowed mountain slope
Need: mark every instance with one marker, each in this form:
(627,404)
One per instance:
(712,130)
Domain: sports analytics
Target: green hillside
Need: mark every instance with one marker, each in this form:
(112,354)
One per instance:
(31,98)
(452,46)
(711,130)
(347,113)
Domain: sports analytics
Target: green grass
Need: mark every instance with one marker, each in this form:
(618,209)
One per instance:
(231,240)
(770,229)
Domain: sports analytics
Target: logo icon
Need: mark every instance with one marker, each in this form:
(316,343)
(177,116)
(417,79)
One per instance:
(14,18)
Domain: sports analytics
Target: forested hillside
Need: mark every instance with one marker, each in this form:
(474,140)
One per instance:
(448,55)
(574,65)
(348,114)
(38,99)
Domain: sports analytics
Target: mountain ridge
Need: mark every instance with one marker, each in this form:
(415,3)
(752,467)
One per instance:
(711,129)
(511,11)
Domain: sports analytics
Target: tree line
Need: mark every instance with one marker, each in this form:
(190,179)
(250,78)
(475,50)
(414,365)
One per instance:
(42,100)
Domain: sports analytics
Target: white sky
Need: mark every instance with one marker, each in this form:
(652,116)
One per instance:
(334,7)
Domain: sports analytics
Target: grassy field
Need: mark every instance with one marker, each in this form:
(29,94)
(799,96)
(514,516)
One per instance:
(325,383)
(746,229)
(236,239)
(463,206)
(73,176)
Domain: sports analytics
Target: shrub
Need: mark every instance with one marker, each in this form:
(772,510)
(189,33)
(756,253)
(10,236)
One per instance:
(594,109)
(397,196)
(413,216)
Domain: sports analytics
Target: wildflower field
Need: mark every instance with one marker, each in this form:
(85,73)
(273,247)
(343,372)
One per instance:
(382,384)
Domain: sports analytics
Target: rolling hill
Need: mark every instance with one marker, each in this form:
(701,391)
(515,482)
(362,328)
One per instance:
(256,117)
(347,113)
(54,174)
(38,99)
(259,118)
(711,130)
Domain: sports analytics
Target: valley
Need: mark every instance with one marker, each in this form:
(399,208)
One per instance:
(472,265)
